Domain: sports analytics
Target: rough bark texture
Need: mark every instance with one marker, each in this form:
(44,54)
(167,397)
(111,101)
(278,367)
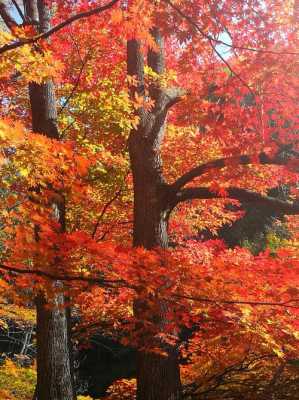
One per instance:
(150,219)
(158,377)
(30,11)
(54,366)
(54,372)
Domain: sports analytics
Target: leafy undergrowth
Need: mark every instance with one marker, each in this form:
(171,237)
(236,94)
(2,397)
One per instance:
(124,389)
(23,316)
(16,382)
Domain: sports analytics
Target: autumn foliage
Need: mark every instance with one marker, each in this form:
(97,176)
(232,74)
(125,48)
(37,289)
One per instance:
(221,79)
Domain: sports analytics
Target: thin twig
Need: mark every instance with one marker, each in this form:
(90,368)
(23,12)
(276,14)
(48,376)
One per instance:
(221,42)
(105,208)
(211,41)
(84,61)
(285,304)
(15,3)
(68,278)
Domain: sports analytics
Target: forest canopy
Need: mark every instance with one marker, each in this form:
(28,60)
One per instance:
(149,199)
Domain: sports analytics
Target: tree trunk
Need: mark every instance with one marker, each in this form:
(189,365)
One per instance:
(158,376)
(150,218)
(54,370)
(54,361)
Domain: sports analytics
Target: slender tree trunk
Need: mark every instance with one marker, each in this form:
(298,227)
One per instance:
(54,361)
(158,376)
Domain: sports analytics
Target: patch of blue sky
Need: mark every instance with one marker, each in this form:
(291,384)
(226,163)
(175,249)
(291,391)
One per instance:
(14,11)
(224,50)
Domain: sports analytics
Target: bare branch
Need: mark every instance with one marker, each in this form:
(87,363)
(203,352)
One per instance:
(280,206)
(56,28)
(67,278)
(286,304)
(220,163)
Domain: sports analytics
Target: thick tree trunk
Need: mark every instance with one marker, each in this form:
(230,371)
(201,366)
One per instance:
(54,349)
(150,218)
(54,372)
(54,361)
(158,376)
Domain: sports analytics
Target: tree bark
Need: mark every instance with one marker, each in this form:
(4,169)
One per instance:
(54,369)
(54,361)
(158,376)
(150,218)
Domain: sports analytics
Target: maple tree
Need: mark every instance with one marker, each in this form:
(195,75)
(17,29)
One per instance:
(137,82)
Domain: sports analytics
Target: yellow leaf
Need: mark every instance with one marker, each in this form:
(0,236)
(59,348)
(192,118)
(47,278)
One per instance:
(24,172)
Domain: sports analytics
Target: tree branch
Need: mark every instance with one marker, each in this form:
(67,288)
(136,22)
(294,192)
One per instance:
(156,59)
(69,97)
(31,12)
(56,28)
(174,95)
(105,208)
(221,42)
(199,170)
(164,97)
(18,8)
(67,278)
(6,16)
(280,206)
(135,64)
(286,304)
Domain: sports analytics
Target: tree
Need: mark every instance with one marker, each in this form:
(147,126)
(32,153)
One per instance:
(54,360)
(154,199)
